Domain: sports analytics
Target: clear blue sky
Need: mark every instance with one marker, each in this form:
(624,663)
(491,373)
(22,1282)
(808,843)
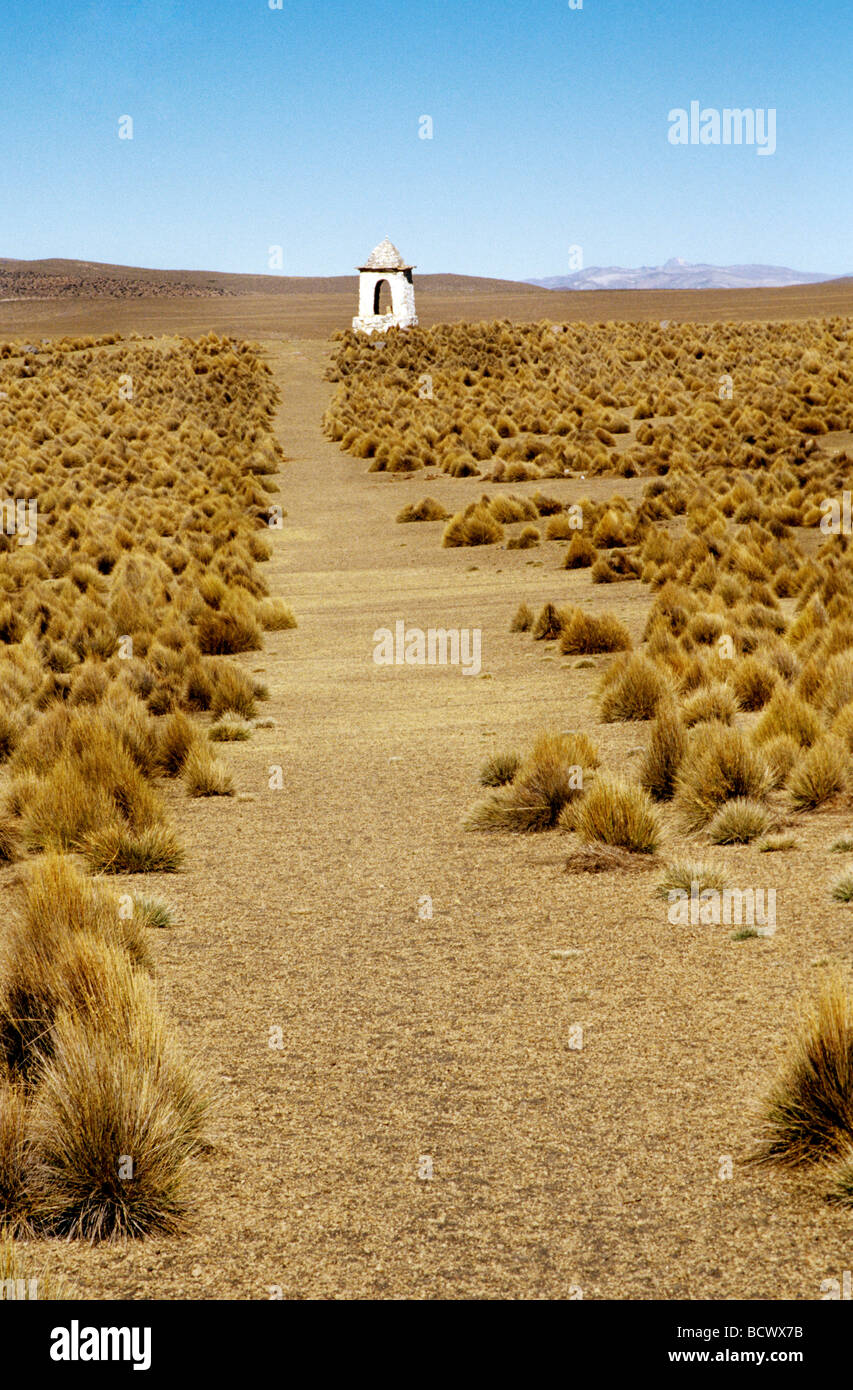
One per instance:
(299,127)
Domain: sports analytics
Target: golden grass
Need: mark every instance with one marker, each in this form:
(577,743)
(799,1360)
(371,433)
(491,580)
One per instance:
(619,813)
(664,752)
(632,690)
(820,775)
(719,765)
(583,633)
(738,822)
(546,781)
(808,1114)
(98,1114)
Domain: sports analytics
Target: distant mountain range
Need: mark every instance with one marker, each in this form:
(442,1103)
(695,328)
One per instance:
(681,275)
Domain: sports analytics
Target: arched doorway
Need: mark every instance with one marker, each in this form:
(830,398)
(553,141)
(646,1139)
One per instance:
(382,301)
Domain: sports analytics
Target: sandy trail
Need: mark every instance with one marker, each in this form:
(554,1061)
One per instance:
(449,1038)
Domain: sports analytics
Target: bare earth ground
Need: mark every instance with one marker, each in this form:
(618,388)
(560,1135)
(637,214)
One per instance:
(449,1038)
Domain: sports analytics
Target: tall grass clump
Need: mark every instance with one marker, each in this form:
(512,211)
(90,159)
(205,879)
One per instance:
(619,813)
(718,766)
(808,1113)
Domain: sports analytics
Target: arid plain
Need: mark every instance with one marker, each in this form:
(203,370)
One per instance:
(556,1169)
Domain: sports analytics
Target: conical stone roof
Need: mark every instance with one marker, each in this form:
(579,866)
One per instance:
(385,256)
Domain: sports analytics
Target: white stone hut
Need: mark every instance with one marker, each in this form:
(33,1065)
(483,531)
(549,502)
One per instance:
(385,266)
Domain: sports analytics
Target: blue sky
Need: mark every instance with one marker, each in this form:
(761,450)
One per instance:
(256,127)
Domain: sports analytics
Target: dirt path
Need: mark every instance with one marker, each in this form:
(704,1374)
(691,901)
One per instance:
(449,1038)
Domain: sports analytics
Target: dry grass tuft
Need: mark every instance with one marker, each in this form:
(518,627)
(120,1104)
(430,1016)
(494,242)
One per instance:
(584,633)
(499,769)
(808,1115)
(738,822)
(115,1129)
(204,776)
(619,813)
(820,775)
(117,850)
(718,766)
(664,753)
(633,688)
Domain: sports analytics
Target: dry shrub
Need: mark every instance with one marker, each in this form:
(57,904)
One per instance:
(232,692)
(229,729)
(499,769)
(788,714)
(738,822)
(781,754)
(664,753)
(584,633)
(10,839)
(118,850)
(204,776)
(14,1156)
(714,702)
(753,682)
(527,538)
(115,1128)
(227,632)
(549,624)
(842,726)
(808,1115)
(523,619)
(618,813)
(426,510)
(718,766)
(178,736)
(633,689)
(547,780)
(687,876)
(474,526)
(274,615)
(820,775)
(580,554)
(599,858)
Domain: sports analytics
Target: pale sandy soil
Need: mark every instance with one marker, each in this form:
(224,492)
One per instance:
(449,1037)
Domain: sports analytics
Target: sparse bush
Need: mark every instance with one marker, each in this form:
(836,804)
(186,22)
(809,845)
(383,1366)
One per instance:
(580,554)
(718,766)
(204,776)
(499,769)
(711,702)
(788,714)
(274,615)
(229,730)
(738,822)
(619,813)
(548,625)
(664,753)
(117,850)
(685,874)
(583,633)
(808,1115)
(633,690)
(102,1095)
(178,736)
(523,619)
(474,526)
(819,775)
(426,510)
